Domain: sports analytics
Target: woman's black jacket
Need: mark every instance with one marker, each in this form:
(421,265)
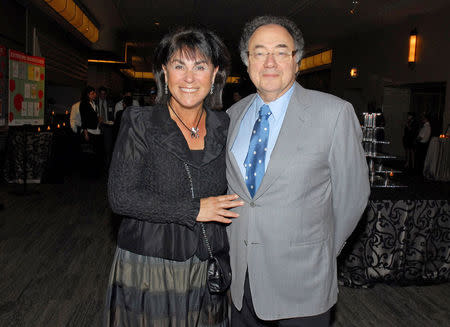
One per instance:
(149,185)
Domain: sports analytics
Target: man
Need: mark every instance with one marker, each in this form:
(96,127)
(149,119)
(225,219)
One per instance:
(75,118)
(295,158)
(119,105)
(104,105)
(422,142)
(127,102)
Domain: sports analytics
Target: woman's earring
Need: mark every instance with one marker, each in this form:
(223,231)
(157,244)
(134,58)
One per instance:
(212,89)
(166,90)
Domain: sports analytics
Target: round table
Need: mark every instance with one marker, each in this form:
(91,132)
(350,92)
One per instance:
(437,161)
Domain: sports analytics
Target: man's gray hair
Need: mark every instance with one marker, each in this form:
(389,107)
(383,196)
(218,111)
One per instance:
(254,24)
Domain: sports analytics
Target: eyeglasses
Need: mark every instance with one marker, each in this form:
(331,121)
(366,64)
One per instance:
(278,55)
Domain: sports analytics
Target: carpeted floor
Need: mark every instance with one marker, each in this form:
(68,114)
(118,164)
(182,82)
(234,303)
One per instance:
(57,244)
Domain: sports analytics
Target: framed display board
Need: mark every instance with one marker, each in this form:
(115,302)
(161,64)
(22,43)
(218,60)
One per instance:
(3,85)
(26,89)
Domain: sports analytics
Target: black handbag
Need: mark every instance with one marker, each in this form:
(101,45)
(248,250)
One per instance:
(218,273)
(218,277)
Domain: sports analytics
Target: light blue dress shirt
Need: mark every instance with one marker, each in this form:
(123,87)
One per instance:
(242,141)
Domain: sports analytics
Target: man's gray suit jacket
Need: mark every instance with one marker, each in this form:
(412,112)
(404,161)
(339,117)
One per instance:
(311,197)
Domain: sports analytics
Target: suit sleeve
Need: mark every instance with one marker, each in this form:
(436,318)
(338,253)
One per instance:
(349,175)
(127,192)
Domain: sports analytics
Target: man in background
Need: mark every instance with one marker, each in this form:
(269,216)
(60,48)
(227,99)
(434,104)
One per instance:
(75,118)
(105,112)
(104,105)
(119,105)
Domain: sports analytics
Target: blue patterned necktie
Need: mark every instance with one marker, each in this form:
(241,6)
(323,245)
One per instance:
(256,157)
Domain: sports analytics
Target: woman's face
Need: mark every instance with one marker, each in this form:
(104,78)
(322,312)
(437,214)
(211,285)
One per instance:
(92,95)
(189,79)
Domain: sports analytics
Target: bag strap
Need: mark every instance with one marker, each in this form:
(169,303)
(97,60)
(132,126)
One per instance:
(208,246)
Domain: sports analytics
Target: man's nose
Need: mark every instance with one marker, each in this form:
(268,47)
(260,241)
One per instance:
(270,60)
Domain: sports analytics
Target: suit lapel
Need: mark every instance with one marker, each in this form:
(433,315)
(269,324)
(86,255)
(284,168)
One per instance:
(235,124)
(296,116)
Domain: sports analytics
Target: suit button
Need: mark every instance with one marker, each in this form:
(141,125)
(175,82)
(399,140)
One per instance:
(252,204)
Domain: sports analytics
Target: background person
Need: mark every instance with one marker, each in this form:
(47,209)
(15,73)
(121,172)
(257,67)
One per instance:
(410,132)
(92,147)
(119,105)
(105,112)
(422,142)
(104,105)
(127,102)
(75,118)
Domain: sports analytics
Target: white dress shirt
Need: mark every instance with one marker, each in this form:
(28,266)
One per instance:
(425,133)
(75,117)
(242,141)
(119,106)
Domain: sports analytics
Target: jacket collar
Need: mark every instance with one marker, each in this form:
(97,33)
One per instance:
(297,114)
(165,132)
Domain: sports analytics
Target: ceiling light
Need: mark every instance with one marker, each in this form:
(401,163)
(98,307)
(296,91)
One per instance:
(320,59)
(73,14)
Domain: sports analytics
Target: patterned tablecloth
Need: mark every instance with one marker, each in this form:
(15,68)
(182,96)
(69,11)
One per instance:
(37,150)
(398,241)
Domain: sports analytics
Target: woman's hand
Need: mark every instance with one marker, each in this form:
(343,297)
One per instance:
(215,208)
(86,135)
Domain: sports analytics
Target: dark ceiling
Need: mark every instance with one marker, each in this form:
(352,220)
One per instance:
(143,22)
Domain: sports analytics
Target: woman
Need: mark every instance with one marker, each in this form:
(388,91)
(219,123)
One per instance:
(167,175)
(90,133)
(127,101)
(410,132)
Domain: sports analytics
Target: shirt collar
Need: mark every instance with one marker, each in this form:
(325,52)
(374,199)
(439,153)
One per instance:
(277,107)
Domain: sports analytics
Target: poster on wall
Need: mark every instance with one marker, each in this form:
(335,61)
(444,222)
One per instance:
(26,89)
(3,86)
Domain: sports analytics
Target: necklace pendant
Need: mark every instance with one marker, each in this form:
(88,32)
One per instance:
(194,132)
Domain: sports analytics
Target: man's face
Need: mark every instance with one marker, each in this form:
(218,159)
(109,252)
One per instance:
(102,95)
(272,77)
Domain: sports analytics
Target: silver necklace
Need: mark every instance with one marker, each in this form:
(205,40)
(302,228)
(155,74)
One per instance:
(193,130)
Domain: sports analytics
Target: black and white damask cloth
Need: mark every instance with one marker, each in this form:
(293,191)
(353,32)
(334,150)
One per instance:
(399,241)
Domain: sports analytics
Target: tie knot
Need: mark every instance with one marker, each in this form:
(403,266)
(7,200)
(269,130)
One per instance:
(264,111)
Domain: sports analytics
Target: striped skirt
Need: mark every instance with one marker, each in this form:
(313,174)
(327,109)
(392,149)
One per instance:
(148,291)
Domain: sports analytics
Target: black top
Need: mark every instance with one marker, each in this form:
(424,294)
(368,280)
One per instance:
(150,188)
(197,155)
(89,118)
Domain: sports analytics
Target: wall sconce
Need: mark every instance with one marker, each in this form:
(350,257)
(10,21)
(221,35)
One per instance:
(354,72)
(73,14)
(412,47)
(320,59)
